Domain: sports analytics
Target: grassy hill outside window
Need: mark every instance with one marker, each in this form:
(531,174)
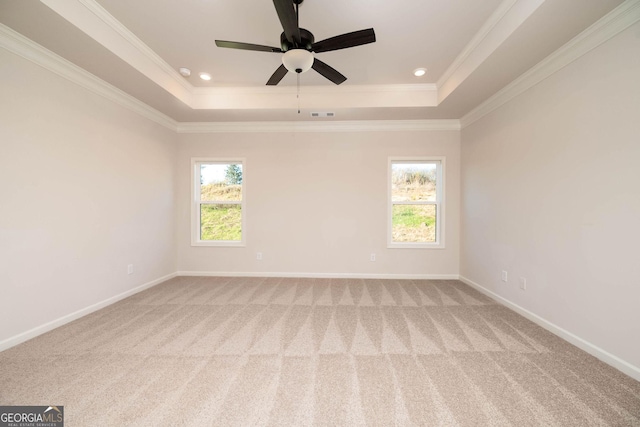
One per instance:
(218,207)
(416,203)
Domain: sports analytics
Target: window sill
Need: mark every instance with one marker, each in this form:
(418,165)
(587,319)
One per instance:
(415,246)
(218,244)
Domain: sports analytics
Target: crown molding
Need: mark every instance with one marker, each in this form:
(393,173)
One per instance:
(325,126)
(134,41)
(486,28)
(616,21)
(96,22)
(333,89)
(625,15)
(506,19)
(16,43)
(26,48)
(93,20)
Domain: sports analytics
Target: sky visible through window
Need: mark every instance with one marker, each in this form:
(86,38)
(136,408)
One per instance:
(213,173)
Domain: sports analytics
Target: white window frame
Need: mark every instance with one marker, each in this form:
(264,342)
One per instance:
(439,203)
(196,202)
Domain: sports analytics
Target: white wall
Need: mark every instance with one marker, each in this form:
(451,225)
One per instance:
(551,192)
(317,203)
(86,188)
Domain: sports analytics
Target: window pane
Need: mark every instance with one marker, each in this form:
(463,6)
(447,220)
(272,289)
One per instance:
(414,223)
(413,182)
(219,182)
(221,222)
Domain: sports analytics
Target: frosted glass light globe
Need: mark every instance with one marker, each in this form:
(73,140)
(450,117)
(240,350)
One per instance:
(297,60)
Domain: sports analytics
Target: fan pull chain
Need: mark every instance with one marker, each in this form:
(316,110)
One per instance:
(298,74)
(298,90)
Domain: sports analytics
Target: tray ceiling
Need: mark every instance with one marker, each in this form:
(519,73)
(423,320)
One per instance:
(470,48)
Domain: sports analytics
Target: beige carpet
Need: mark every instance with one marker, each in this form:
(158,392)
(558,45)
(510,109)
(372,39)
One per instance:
(295,352)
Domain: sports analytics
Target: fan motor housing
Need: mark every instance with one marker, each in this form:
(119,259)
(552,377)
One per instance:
(306,37)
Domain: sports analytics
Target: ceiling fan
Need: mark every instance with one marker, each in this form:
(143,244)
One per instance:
(297,44)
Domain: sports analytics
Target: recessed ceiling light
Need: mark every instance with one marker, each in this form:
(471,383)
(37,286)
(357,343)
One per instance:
(205,76)
(185,72)
(419,72)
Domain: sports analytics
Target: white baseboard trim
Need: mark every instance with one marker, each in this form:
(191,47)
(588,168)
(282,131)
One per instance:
(319,275)
(39,330)
(606,357)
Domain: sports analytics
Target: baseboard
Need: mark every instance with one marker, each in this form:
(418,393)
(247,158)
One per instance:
(319,275)
(39,330)
(606,357)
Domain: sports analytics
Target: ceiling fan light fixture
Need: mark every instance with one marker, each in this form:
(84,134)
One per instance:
(419,72)
(297,60)
(298,45)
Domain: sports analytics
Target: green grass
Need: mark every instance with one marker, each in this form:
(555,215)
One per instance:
(221,222)
(414,223)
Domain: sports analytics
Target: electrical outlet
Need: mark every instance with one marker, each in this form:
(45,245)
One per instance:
(259,256)
(523,283)
(372,258)
(504,276)
(130,269)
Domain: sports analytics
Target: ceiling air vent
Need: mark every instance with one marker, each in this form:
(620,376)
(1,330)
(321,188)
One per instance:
(322,114)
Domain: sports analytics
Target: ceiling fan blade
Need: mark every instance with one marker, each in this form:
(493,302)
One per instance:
(247,46)
(328,71)
(343,41)
(288,19)
(277,76)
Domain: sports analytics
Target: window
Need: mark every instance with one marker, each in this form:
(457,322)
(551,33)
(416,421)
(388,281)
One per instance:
(218,202)
(416,197)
